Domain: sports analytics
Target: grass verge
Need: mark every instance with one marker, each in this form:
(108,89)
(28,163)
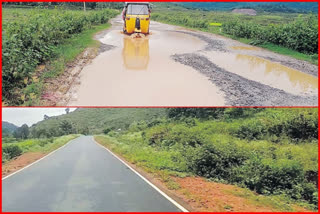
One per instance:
(156,162)
(44,146)
(65,54)
(20,154)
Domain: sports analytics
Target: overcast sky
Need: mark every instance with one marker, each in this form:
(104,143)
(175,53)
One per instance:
(29,116)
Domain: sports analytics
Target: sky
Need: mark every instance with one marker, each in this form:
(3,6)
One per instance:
(29,116)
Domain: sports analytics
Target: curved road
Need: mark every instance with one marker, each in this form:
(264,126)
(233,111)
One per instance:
(82,176)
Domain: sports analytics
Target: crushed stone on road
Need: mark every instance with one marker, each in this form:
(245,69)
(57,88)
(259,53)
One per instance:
(240,91)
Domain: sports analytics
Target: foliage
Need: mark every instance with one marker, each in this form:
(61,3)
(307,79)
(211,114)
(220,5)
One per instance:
(13,149)
(66,127)
(22,132)
(299,126)
(96,120)
(284,7)
(296,32)
(300,35)
(253,148)
(30,41)
(69,5)
(195,112)
(8,128)
(10,151)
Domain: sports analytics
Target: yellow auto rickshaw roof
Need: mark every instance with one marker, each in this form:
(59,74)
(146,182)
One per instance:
(141,3)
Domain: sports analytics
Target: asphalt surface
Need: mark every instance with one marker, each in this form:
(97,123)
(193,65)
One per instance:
(82,176)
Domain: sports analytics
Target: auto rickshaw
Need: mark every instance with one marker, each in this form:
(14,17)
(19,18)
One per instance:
(136,16)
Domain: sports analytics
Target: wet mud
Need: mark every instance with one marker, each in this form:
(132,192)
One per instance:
(140,72)
(174,66)
(240,91)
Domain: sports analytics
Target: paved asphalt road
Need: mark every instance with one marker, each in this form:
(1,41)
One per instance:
(82,176)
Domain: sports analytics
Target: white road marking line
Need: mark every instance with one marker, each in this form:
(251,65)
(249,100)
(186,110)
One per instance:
(143,178)
(38,160)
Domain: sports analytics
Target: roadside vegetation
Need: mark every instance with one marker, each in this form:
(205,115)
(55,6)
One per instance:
(286,33)
(14,148)
(19,140)
(272,152)
(95,120)
(267,157)
(34,36)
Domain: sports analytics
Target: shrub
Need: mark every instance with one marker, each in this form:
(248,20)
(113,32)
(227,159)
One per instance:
(212,161)
(300,35)
(11,151)
(302,126)
(106,130)
(252,129)
(5,157)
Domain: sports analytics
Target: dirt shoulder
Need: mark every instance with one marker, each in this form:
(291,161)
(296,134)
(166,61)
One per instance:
(59,90)
(204,196)
(197,194)
(20,162)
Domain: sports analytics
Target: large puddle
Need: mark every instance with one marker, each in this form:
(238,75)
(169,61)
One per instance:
(139,72)
(266,72)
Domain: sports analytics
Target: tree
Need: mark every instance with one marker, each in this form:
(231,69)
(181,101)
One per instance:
(22,132)
(66,127)
(85,130)
(201,113)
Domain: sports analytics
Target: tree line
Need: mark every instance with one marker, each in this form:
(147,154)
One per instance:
(76,5)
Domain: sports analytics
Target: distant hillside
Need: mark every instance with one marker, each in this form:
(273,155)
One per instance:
(96,120)
(300,7)
(8,127)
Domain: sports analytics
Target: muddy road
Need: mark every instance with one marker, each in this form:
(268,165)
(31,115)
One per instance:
(174,66)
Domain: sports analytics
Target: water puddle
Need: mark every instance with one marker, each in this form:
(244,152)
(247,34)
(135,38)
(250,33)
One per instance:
(140,72)
(135,53)
(266,72)
(245,48)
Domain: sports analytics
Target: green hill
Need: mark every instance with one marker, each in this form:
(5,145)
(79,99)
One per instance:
(8,128)
(95,120)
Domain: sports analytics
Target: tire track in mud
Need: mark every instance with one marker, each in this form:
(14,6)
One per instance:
(240,91)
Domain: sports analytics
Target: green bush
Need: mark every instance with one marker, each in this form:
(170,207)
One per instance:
(251,130)
(279,175)
(107,130)
(300,35)
(11,151)
(299,126)
(213,161)
(5,157)
(302,126)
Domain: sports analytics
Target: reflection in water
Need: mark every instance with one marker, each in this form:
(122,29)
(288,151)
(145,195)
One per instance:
(135,53)
(246,48)
(297,78)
